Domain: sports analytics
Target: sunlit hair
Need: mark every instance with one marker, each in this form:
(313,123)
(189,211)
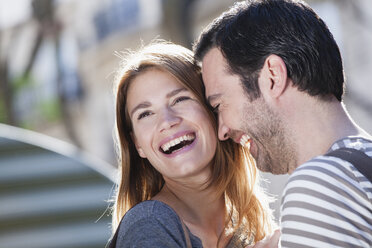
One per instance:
(234,174)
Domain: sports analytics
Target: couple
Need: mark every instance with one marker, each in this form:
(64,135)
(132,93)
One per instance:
(273,76)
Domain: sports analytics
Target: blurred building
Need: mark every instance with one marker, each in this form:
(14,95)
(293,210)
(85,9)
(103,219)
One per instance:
(52,194)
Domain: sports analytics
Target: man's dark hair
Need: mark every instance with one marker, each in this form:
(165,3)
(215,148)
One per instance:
(252,30)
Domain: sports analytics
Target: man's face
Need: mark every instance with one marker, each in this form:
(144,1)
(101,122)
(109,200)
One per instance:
(238,117)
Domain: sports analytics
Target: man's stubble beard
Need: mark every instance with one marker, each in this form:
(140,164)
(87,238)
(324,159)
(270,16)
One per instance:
(276,151)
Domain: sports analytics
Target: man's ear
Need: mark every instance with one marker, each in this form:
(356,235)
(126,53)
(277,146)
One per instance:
(138,147)
(273,77)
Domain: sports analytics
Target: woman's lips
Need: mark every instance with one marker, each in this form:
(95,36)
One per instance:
(177,142)
(183,149)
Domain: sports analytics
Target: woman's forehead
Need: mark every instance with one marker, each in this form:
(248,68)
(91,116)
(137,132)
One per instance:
(152,86)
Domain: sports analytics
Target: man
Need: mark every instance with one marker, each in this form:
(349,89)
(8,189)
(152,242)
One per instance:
(274,74)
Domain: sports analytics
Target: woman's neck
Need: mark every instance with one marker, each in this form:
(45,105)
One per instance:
(201,210)
(194,205)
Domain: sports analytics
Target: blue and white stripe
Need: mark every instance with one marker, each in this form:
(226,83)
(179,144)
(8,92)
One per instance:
(327,202)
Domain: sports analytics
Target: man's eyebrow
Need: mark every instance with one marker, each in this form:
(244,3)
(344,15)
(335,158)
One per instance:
(139,106)
(213,97)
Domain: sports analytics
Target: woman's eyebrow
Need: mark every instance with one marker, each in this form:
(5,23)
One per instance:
(147,104)
(139,106)
(175,92)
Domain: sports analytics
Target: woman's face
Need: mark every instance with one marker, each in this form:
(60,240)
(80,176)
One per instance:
(170,127)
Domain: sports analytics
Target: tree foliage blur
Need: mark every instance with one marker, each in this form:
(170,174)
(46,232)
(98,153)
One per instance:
(177,21)
(48,27)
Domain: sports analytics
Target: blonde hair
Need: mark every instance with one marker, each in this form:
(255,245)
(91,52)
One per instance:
(234,173)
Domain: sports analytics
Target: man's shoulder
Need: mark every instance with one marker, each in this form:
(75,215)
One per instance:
(328,166)
(323,177)
(321,166)
(361,143)
(326,196)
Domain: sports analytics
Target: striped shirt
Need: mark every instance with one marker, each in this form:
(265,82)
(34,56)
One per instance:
(327,202)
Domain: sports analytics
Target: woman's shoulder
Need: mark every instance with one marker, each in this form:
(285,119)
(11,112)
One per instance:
(151,208)
(150,223)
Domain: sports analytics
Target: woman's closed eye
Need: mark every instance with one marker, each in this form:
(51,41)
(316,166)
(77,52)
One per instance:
(181,99)
(143,115)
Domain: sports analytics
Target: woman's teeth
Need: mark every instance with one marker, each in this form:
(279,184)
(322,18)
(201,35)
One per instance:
(244,140)
(187,137)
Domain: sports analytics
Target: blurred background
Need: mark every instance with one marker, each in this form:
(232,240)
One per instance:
(57,66)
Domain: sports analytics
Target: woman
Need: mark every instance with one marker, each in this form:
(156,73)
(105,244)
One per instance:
(179,185)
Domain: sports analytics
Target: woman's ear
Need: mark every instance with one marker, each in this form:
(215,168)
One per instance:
(274,77)
(138,147)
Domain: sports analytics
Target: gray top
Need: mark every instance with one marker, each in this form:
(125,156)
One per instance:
(155,224)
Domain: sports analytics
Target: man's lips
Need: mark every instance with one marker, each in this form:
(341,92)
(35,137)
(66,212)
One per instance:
(253,149)
(245,140)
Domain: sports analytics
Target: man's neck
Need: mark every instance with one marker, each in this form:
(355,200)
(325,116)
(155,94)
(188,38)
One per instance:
(316,125)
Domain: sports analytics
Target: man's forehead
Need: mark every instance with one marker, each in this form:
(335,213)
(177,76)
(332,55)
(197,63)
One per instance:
(213,56)
(214,64)
(214,68)
(210,81)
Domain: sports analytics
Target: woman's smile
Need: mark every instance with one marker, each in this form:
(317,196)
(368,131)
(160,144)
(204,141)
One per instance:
(177,143)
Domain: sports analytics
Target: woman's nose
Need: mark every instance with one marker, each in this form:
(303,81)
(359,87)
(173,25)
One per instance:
(167,119)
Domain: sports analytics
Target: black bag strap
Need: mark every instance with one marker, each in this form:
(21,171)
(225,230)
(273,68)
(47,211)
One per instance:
(359,159)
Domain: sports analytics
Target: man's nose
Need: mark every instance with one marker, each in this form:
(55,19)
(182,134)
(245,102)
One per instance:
(167,119)
(223,130)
